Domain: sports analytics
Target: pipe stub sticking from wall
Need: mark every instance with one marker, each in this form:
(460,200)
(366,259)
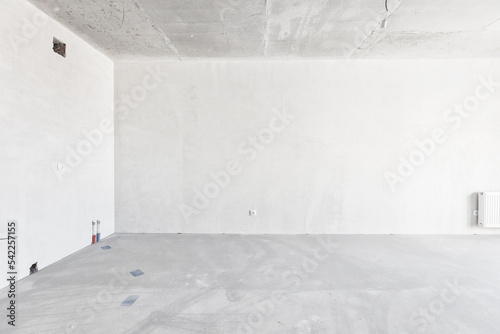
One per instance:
(98,231)
(93,233)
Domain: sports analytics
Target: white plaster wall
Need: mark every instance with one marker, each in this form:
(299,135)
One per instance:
(46,102)
(325,171)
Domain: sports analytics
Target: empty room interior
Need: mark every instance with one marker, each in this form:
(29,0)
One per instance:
(250,166)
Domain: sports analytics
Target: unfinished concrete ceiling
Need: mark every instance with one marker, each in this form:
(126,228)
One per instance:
(185,29)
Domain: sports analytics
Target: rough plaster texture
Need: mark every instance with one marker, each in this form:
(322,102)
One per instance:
(144,29)
(324,171)
(214,284)
(46,102)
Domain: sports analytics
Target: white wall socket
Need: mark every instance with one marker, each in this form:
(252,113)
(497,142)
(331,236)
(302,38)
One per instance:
(253,212)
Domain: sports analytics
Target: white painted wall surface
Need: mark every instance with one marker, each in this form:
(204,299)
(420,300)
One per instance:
(46,102)
(325,171)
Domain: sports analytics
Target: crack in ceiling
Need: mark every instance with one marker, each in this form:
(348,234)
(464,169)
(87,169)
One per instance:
(377,34)
(168,42)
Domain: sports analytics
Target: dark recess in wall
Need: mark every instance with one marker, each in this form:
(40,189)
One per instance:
(59,47)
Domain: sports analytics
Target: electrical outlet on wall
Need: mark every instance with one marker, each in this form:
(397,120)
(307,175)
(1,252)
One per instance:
(253,212)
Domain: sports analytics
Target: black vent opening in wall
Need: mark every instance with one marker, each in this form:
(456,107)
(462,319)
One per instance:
(59,47)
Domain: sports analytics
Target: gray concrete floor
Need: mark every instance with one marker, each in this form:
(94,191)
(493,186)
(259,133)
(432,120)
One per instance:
(268,284)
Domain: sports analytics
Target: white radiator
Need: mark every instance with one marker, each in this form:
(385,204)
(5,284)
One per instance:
(489,209)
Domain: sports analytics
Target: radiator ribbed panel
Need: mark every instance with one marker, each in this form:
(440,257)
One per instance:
(489,209)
